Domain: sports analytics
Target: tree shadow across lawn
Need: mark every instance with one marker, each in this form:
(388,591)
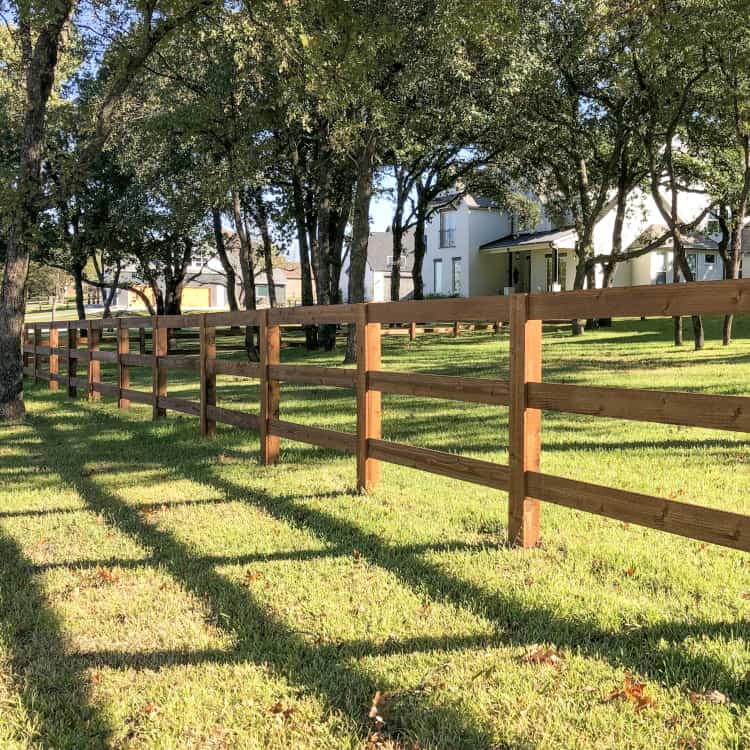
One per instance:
(50,681)
(327,670)
(324,670)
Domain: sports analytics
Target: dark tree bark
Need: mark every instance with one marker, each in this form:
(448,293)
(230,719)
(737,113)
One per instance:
(420,249)
(302,218)
(40,75)
(260,214)
(226,263)
(360,236)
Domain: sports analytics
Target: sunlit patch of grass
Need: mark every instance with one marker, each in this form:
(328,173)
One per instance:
(160,591)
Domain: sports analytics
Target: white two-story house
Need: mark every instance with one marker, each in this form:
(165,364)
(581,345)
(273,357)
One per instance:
(476,248)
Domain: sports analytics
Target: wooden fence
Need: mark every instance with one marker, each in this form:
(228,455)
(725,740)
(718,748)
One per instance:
(524,393)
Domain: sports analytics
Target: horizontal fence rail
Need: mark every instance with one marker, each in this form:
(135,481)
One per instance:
(158,340)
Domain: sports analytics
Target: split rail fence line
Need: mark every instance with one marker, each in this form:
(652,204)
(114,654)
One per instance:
(524,393)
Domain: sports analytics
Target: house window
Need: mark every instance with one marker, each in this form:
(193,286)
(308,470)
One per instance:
(437,269)
(389,261)
(713,227)
(456,276)
(200,256)
(661,269)
(692,260)
(447,228)
(710,259)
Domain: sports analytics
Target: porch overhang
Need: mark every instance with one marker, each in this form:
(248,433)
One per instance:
(561,239)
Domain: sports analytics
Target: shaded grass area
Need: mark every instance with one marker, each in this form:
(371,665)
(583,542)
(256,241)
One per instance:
(163,592)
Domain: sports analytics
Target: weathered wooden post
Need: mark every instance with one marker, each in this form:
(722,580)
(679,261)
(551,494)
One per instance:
(123,371)
(208,376)
(412,331)
(524,423)
(159,382)
(368,401)
(37,341)
(456,328)
(54,359)
(95,369)
(270,389)
(72,358)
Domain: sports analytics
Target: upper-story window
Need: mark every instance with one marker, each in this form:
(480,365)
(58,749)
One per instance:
(448,228)
(200,256)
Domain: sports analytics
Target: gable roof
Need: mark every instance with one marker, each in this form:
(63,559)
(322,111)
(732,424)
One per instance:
(692,241)
(520,241)
(473,201)
(380,249)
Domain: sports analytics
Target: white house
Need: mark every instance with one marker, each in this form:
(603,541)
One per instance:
(476,248)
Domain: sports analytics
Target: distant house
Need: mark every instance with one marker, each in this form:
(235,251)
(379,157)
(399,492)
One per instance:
(380,267)
(475,247)
(205,285)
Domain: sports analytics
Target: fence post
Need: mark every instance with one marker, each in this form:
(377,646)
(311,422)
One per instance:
(142,340)
(159,381)
(54,360)
(72,359)
(412,331)
(123,371)
(24,343)
(94,337)
(456,328)
(270,390)
(37,339)
(208,376)
(368,401)
(524,443)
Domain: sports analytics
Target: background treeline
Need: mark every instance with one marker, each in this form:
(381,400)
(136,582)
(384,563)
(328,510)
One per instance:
(134,132)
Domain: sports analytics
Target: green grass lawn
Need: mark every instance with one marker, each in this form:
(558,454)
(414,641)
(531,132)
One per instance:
(158,591)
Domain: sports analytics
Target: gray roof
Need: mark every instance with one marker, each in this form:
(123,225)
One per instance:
(445,199)
(532,238)
(692,241)
(380,249)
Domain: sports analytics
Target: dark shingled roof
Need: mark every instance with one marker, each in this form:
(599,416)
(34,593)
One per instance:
(532,238)
(380,248)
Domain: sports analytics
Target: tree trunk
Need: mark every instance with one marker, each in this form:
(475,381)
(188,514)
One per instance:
(300,216)
(578,283)
(261,220)
(420,247)
(226,263)
(78,285)
(734,264)
(40,76)
(111,291)
(398,249)
(360,237)
(248,273)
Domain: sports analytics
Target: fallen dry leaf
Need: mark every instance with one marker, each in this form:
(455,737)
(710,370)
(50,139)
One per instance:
(377,709)
(251,577)
(632,692)
(546,655)
(151,709)
(282,714)
(107,576)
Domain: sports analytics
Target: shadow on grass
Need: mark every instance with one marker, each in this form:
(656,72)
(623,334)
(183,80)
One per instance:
(655,651)
(323,669)
(50,681)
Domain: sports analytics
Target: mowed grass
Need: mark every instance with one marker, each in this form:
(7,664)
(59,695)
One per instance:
(159,591)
